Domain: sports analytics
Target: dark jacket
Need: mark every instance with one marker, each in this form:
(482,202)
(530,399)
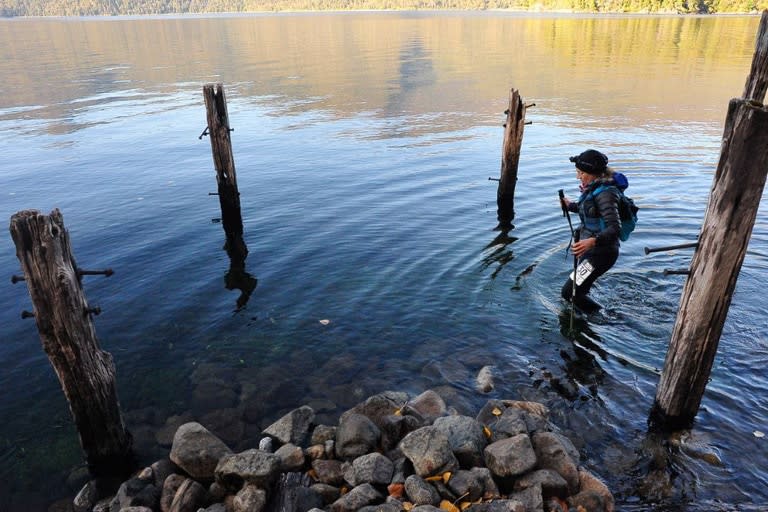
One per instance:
(599,215)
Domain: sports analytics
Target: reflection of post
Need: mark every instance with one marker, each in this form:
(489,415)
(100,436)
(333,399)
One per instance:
(86,373)
(736,191)
(510,157)
(238,278)
(229,196)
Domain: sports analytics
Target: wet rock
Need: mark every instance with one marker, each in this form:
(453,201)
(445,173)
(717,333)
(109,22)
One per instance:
(386,507)
(550,481)
(357,498)
(328,471)
(429,451)
(553,454)
(590,483)
(293,427)
(189,497)
(531,497)
(510,457)
(168,491)
(484,380)
(86,498)
(249,499)
(466,438)
(429,405)
(161,470)
(373,468)
(136,493)
(291,458)
(510,423)
(323,433)
(504,505)
(250,467)
(420,491)
(466,484)
(328,493)
(197,451)
(587,500)
(356,435)
(490,489)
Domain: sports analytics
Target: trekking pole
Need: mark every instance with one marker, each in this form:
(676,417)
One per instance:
(575,261)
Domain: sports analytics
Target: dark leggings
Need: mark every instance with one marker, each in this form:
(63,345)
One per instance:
(601,262)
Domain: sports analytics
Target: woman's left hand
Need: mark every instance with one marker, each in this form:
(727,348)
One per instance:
(581,247)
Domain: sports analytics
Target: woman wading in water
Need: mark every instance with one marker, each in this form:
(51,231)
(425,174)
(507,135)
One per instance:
(596,241)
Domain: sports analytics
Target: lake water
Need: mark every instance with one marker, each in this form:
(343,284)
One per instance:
(363,144)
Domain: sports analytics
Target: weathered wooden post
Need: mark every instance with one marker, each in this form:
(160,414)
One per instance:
(734,199)
(224,162)
(510,157)
(63,316)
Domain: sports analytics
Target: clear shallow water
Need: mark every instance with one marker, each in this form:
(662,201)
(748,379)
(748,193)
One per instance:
(363,145)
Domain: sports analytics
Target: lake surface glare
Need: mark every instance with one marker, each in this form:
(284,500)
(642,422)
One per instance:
(363,144)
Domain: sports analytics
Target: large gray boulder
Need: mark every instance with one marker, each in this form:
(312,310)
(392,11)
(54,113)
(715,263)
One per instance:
(553,453)
(249,467)
(429,451)
(373,468)
(197,451)
(293,427)
(510,457)
(356,435)
(359,497)
(421,492)
(466,437)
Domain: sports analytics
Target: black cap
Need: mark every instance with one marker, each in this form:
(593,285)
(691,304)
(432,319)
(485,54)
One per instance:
(591,161)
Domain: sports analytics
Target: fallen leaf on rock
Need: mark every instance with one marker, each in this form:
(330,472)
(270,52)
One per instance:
(312,474)
(448,506)
(407,505)
(496,411)
(487,432)
(396,490)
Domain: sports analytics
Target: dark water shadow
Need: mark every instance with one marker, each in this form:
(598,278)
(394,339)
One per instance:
(497,252)
(237,278)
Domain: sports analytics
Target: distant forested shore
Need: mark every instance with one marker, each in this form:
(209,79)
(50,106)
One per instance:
(13,8)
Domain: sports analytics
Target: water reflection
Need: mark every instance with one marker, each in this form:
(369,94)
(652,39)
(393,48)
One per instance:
(581,364)
(498,253)
(237,278)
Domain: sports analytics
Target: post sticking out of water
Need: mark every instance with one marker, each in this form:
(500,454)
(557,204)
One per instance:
(86,373)
(734,199)
(224,162)
(510,157)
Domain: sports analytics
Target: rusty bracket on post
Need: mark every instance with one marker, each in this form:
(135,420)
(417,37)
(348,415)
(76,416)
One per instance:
(691,245)
(96,311)
(676,272)
(27,314)
(15,279)
(106,272)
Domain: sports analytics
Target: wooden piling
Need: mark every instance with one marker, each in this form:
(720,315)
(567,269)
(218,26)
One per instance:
(737,188)
(510,157)
(224,162)
(63,317)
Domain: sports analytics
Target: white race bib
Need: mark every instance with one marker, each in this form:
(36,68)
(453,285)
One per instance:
(583,271)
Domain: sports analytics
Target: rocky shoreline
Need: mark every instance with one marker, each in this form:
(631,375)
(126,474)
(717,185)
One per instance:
(391,452)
